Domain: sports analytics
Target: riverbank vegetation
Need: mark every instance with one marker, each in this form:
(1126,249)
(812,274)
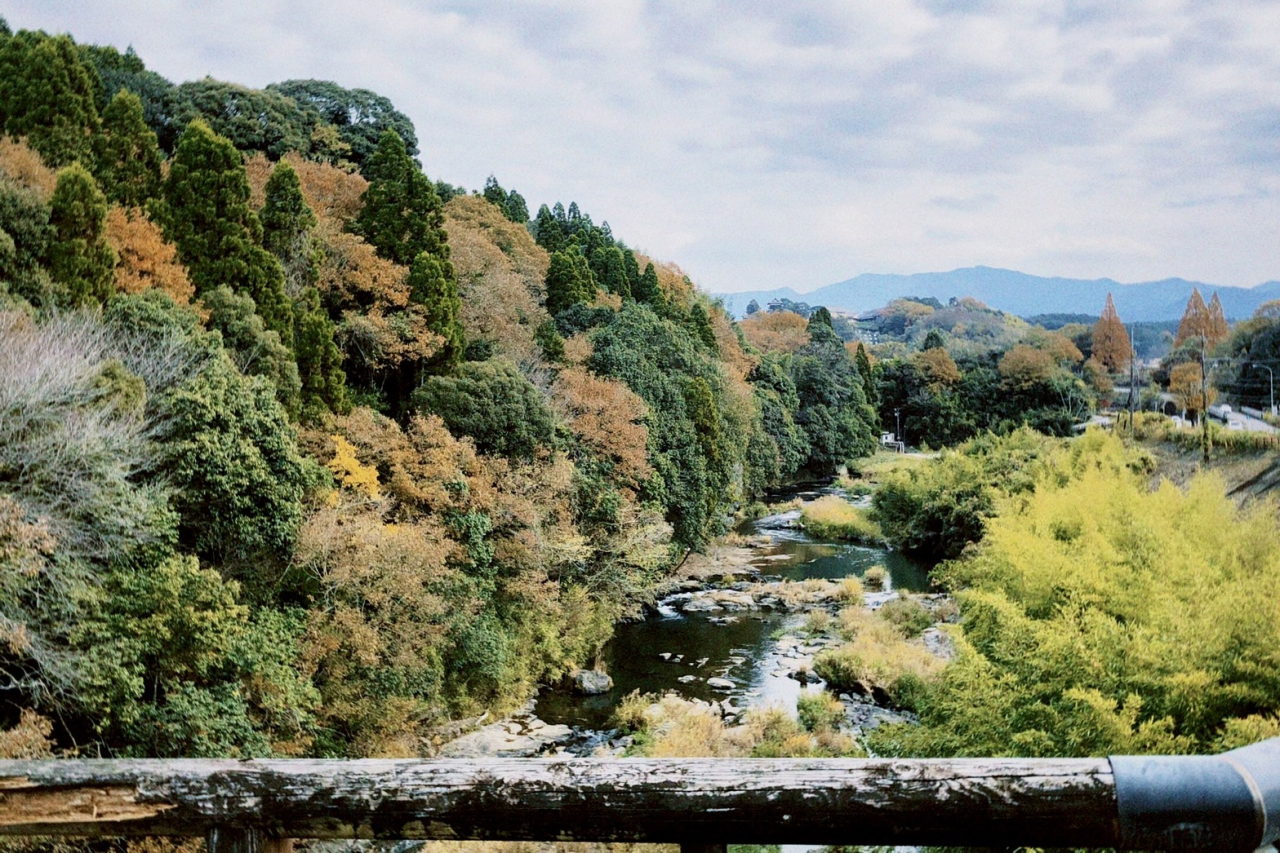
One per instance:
(1102,616)
(303,452)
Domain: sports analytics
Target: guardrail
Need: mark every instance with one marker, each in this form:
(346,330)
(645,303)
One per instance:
(1229,802)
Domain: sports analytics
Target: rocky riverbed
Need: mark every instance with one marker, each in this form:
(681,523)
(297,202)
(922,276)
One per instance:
(740,628)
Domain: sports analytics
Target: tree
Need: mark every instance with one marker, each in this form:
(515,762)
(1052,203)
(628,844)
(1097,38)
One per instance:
(165,108)
(81,262)
(205,212)
(492,403)
(256,350)
(1217,330)
(287,222)
(1195,320)
(752,307)
(49,95)
(569,280)
(253,119)
(319,359)
(1185,386)
(1111,346)
(360,116)
(146,260)
(24,243)
(647,290)
(547,231)
(432,285)
(1023,367)
(402,215)
(126,156)
(933,340)
(776,331)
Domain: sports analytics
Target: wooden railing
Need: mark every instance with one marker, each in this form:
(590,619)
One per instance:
(1229,802)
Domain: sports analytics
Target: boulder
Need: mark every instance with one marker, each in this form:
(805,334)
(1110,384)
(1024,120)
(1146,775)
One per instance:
(592,682)
(720,683)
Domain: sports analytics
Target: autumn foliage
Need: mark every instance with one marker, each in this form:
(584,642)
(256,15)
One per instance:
(1111,346)
(147,260)
(776,331)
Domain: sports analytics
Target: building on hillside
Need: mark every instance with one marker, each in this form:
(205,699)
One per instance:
(866,326)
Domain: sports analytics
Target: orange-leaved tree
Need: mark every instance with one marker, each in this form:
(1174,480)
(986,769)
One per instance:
(1111,346)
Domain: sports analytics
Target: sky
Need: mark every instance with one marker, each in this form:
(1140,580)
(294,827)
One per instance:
(766,144)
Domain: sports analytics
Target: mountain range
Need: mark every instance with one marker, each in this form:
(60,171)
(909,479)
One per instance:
(1020,293)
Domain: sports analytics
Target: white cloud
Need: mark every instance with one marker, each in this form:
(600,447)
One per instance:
(762,144)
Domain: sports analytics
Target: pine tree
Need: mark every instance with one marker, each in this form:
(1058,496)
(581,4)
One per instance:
(287,222)
(702,326)
(494,193)
(517,210)
(568,280)
(862,361)
(81,262)
(610,270)
(933,340)
(205,213)
(402,215)
(1111,345)
(648,290)
(432,284)
(547,231)
(1217,330)
(1195,320)
(319,359)
(127,158)
(49,95)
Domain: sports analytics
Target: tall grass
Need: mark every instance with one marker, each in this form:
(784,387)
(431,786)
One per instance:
(832,517)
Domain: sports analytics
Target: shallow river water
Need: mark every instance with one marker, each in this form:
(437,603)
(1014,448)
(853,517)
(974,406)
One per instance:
(678,652)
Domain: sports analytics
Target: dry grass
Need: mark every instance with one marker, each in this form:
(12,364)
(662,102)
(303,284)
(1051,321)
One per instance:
(874,577)
(878,656)
(833,517)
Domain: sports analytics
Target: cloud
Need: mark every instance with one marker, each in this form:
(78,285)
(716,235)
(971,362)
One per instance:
(762,144)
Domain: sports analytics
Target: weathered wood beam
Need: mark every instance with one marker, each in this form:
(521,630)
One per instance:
(1058,802)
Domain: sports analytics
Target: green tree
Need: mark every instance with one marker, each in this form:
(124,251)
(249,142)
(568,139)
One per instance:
(517,209)
(205,213)
(253,119)
(256,350)
(433,285)
(609,265)
(402,215)
(49,95)
(933,340)
(24,244)
(494,404)
(287,224)
(81,263)
(569,280)
(319,359)
(126,156)
(360,116)
(647,290)
(547,231)
(165,108)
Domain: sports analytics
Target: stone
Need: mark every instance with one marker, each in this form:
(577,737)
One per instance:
(592,682)
(720,683)
(687,679)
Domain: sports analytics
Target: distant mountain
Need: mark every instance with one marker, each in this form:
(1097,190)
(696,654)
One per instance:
(1021,294)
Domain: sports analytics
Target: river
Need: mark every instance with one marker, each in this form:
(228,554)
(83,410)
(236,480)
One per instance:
(677,651)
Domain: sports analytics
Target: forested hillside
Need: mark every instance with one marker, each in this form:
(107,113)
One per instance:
(303,452)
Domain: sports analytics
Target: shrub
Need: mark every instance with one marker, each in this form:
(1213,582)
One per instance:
(850,592)
(908,614)
(819,710)
(874,577)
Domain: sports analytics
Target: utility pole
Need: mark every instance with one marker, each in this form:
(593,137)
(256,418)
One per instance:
(1204,402)
(1133,386)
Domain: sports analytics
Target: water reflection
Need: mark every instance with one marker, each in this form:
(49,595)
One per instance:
(679,652)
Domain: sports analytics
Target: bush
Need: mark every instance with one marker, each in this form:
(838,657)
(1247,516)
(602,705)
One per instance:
(1101,617)
(908,614)
(832,517)
(819,710)
(850,592)
(874,577)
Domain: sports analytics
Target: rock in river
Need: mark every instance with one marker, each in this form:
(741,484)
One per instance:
(720,683)
(591,682)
